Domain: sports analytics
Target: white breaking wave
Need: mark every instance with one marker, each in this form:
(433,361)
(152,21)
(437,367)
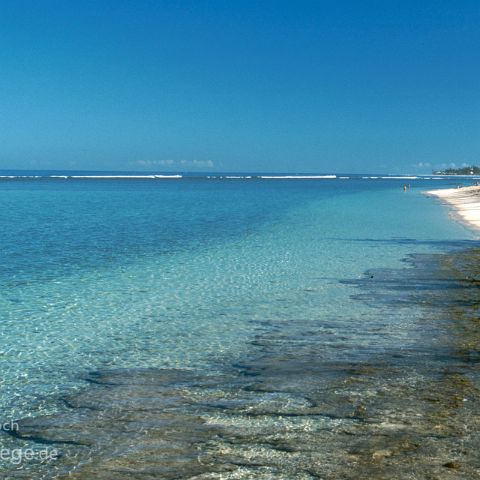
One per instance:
(111,177)
(391,178)
(91,177)
(401,178)
(19,176)
(296,177)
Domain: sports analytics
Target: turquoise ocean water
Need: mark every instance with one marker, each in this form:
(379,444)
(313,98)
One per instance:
(181,273)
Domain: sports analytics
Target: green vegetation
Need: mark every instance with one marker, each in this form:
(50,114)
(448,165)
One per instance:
(460,171)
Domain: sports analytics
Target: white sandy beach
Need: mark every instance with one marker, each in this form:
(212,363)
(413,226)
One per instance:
(465,200)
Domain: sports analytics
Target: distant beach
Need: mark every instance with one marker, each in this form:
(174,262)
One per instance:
(465,200)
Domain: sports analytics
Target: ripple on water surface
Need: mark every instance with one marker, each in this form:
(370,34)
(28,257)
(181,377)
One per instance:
(289,411)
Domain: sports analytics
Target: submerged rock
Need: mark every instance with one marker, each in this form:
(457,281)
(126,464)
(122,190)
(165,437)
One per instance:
(289,413)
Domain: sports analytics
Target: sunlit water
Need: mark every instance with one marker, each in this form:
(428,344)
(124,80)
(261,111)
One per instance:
(200,274)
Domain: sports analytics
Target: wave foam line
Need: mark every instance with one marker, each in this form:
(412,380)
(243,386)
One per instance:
(123,177)
(400,178)
(296,177)
(90,177)
(13,177)
(236,177)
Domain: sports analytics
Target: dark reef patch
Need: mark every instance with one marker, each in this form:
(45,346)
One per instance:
(288,412)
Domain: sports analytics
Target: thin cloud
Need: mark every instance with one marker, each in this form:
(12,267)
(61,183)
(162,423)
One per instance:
(176,163)
(422,166)
(197,163)
(444,166)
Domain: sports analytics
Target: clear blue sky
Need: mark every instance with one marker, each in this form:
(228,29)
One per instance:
(325,86)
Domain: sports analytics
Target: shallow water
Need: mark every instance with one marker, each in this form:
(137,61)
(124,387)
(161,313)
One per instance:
(411,412)
(233,331)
